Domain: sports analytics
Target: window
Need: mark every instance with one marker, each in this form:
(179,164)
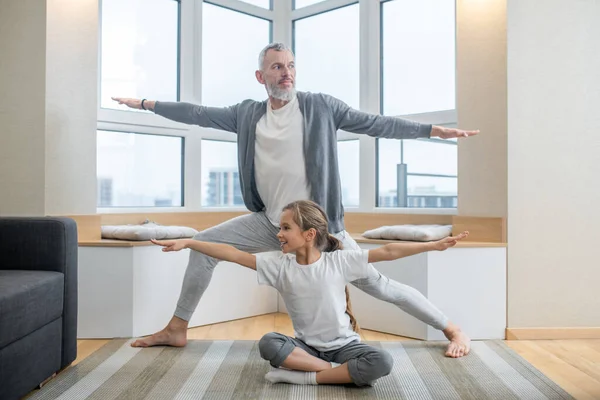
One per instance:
(139,50)
(220,175)
(153,49)
(418,56)
(418,44)
(139,170)
(229,59)
(329,65)
(417,173)
(348,156)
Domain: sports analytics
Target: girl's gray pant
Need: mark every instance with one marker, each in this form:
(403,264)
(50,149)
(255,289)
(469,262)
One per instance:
(366,363)
(254,233)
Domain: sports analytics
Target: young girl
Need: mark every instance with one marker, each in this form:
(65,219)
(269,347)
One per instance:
(311,277)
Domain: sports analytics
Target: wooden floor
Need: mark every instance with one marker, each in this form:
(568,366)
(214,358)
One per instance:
(572,364)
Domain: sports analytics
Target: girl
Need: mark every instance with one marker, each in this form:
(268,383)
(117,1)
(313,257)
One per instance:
(311,277)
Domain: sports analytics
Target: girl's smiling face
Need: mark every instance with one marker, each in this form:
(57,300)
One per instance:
(291,235)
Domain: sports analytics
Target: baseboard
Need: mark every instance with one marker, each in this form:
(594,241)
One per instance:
(552,333)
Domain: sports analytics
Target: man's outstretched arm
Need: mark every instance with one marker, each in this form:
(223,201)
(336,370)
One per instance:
(383,126)
(224,118)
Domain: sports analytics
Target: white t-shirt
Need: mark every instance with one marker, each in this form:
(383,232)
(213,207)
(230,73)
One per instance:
(315,294)
(279,158)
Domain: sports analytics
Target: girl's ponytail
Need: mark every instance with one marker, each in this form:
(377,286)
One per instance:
(353,322)
(332,244)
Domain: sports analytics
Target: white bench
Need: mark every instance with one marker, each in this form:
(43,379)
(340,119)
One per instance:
(130,289)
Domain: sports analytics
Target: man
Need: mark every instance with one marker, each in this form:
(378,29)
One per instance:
(287,151)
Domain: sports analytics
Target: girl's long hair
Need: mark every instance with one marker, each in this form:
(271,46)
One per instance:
(308,214)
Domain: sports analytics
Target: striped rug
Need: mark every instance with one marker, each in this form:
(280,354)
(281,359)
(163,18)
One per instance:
(234,370)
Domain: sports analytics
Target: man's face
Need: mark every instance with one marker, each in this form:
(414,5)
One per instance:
(278,74)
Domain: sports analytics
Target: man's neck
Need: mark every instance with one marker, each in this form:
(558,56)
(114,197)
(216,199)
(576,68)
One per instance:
(276,104)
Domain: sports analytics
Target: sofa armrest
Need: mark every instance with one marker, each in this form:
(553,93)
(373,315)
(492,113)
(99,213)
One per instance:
(46,244)
(36,243)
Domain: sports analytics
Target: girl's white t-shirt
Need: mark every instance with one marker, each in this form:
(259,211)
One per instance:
(314,294)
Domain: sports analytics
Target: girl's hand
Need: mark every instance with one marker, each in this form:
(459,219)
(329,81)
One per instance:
(170,245)
(449,241)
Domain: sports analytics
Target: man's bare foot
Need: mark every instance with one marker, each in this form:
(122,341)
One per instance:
(174,334)
(460,344)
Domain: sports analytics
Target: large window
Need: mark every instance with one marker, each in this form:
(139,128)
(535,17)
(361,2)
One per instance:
(230,58)
(136,170)
(139,58)
(418,82)
(329,65)
(396,58)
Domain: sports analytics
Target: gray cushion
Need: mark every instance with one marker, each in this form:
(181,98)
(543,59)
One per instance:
(28,301)
(417,233)
(146,231)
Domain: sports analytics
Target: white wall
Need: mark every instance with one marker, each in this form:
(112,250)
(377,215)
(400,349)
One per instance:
(48,76)
(481,104)
(553,167)
(22,107)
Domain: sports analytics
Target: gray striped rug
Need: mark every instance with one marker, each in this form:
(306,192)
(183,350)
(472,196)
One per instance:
(234,370)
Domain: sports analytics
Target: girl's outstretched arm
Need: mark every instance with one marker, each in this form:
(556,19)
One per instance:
(219,251)
(393,251)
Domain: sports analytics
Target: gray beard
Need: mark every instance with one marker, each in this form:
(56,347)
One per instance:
(281,94)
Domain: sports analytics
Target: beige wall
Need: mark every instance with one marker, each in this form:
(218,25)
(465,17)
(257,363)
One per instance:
(22,107)
(48,107)
(71,106)
(481,104)
(553,168)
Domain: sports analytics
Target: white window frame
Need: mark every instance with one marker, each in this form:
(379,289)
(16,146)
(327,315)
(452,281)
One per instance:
(282,18)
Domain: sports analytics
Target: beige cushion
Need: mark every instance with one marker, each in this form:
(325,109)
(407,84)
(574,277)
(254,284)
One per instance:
(417,233)
(146,231)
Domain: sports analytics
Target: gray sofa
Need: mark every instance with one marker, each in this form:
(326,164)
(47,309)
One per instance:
(38,301)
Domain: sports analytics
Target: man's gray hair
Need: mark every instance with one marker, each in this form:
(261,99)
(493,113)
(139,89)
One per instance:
(273,46)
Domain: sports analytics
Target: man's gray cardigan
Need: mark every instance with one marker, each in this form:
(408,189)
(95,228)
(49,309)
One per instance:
(323,116)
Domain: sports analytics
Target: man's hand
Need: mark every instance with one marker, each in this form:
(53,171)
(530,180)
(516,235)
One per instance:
(170,245)
(450,133)
(136,104)
(449,241)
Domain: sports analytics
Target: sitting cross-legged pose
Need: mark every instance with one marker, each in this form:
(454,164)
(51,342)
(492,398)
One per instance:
(312,278)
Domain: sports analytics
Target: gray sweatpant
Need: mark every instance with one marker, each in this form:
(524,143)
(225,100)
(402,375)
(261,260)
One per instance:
(254,233)
(366,363)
